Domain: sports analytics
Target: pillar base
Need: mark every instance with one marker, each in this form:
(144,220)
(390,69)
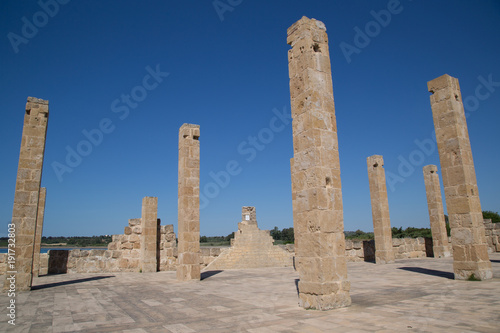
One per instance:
(337,300)
(384,257)
(441,251)
(464,270)
(188,272)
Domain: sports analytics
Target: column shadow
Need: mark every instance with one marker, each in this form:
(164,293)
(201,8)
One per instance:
(433,272)
(209,274)
(65,283)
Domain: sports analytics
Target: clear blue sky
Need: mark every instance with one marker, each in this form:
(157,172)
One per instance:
(227,72)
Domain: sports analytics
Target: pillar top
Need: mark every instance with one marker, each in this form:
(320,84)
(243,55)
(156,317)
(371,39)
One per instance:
(306,27)
(37,100)
(444,81)
(430,168)
(375,161)
(189,131)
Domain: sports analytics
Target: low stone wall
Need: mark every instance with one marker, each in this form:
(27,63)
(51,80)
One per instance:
(406,248)
(110,261)
(364,250)
(492,231)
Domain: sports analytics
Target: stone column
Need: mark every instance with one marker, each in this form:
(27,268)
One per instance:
(384,253)
(149,235)
(39,231)
(189,203)
(440,245)
(316,187)
(470,255)
(29,174)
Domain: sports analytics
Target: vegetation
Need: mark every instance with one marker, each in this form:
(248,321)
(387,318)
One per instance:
(472,277)
(85,241)
(358,235)
(216,240)
(285,236)
(488,214)
(411,232)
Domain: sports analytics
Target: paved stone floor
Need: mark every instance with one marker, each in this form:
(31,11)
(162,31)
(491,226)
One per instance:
(416,295)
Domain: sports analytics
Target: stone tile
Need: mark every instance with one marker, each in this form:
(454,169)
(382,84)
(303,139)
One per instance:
(386,298)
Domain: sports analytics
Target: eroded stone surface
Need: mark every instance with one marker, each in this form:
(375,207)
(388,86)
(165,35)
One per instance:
(29,174)
(39,231)
(189,203)
(470,254)
(440,245)
(149,235)
(315,168)
(380,210)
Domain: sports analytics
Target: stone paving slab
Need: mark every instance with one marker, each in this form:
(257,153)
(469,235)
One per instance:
(411,295)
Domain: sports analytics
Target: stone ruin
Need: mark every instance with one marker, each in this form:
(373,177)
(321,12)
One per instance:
(315,169)
(251,248)
(321,251)
(189,203)
(126,248)
(380,210)
(468,239)
(441,247)
(27,196)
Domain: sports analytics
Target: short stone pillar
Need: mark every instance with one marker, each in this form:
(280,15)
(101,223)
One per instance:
(440,245)
(149,235)
(39,231)
(316,188)
(470,254)
(189,203)
(26,199)
(384,253)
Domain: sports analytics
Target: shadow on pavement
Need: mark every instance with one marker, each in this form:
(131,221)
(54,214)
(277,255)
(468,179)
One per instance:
(433,272)
(206,275)
(64,283)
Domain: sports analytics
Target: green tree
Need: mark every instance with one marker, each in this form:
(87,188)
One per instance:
(288,235)
(276,233)
(488,214)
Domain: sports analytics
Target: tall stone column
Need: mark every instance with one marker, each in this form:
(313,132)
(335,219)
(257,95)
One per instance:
(39,231)
(440,245)
(29,174)
(149,235)
(316,187)
(470,255)
(189,203)
(384,253)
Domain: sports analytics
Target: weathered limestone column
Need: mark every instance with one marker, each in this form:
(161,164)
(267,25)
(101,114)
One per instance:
(189,203)
(440,245)
(316,187)
(39,231)
(149,235)
(29,174)
(470,255)
(380,210)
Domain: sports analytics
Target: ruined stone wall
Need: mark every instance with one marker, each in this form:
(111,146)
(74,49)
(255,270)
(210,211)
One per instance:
(126,248)
(406,248)
(251,248)
(107,261)
(492,231)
